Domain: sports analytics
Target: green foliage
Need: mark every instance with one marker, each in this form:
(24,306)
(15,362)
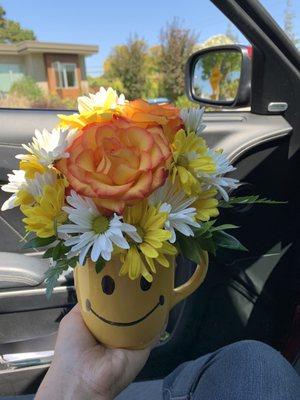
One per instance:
(222,68)
(100,264)
(54,273)
(184,102)
(177,43)
(128,64)
(59,255)
(254,199)
(96,82)
(37,242)
(208,238)
(223,239)
(11,31)
(28,88)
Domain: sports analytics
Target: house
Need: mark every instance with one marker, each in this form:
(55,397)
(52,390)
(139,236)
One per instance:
(58,68)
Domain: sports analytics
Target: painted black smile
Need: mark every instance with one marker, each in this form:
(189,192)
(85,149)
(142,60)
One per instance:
(89,308)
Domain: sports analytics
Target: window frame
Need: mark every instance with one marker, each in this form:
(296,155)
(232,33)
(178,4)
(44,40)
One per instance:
(60,69)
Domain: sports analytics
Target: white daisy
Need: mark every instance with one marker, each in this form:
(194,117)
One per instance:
(172,200)
(49,146)
(103,99)
(92,230)
(192,118)
(35,186)
(217,179)
(16,181)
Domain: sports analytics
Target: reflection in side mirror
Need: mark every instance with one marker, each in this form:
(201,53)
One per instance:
(217,75)
(220,76)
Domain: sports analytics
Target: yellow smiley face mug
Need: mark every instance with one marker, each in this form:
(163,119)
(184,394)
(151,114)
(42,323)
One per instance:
(126,313)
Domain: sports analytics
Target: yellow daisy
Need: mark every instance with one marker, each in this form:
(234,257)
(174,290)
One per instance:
(31,165)
(98,107)
(190,158)
(149,244)
(43,217)
(206,205)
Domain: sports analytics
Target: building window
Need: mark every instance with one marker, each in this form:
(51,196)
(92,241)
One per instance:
(9,73)
(65,74)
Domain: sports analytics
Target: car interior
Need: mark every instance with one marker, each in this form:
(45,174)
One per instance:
(246,295)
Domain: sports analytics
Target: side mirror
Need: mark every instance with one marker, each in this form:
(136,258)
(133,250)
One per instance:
(220,76)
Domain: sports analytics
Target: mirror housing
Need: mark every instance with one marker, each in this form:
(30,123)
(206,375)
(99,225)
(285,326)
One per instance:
(195,66)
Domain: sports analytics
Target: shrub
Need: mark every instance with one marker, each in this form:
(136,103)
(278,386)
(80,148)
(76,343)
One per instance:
(184,102)
(52,101)
(96,82)
(28,88)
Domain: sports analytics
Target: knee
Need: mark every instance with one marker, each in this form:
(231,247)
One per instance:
(251,347)
(247,352)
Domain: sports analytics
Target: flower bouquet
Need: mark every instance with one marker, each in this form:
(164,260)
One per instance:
(116,191)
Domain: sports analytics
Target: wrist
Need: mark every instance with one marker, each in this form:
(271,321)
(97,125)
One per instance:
(60,383)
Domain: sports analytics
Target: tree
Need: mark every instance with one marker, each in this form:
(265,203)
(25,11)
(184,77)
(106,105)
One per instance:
(288,23)
(127,63)
(230,34)
(217,73)
(153,86)
(11,31)
(177,43)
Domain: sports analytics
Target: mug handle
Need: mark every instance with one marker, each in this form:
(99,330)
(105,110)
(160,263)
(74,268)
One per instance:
(187,288)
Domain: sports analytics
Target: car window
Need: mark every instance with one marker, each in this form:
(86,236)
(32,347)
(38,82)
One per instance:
(49,58)
(287,15)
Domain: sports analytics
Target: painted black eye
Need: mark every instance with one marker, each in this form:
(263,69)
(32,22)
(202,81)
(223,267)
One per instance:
(145,285)
(108,284)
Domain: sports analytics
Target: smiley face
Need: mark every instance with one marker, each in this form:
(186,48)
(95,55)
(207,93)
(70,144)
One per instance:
(108,287)
(121,312)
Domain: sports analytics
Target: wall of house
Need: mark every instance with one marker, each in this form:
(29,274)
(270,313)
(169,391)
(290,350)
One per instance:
(35,67)
(11,69)
(73,92)
(84,83)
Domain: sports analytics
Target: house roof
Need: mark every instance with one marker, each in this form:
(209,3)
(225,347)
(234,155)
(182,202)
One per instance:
(29,46)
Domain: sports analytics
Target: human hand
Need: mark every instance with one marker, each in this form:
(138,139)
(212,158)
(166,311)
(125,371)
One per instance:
(83,368)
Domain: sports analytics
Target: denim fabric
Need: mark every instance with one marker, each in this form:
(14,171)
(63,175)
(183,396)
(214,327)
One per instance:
(246,370)
(150,390)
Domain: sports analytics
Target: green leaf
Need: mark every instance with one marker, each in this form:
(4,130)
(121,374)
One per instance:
(51,283)
(48,253)
(39,242)
(205,228)
(223,239)
(52,276)
(224,227)
(72,262)
(191,248)
(253,199)
(100,264)
(56,252)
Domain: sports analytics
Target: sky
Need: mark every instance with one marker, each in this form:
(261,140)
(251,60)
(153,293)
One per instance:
(109,23)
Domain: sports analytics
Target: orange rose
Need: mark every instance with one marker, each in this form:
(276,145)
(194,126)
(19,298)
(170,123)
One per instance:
(145,114)
(116,162)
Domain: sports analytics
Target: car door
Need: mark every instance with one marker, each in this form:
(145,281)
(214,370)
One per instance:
(246,295)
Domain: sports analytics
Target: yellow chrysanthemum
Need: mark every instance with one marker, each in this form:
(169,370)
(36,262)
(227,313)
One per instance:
(190,158)
(141,257)
(98,107)
(31,165)
(206,205)
(43,217)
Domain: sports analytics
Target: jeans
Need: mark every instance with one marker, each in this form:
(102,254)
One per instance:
(246,370)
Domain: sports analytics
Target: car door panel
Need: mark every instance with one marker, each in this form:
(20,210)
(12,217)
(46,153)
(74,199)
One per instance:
(248,140)
(246,295)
